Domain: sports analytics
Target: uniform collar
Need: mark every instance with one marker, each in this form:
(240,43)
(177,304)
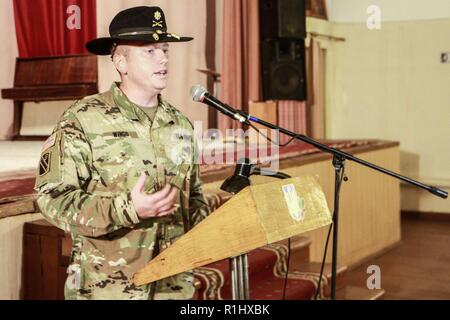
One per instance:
(127,107)
(165,114)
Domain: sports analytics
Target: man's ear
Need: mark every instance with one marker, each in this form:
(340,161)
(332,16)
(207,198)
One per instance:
(120,62)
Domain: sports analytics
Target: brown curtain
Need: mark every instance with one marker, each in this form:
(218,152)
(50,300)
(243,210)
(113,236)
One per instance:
(240,57)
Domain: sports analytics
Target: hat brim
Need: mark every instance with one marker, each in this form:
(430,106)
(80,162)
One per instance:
(102,46)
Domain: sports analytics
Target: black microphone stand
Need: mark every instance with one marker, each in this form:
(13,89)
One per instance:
(339,158)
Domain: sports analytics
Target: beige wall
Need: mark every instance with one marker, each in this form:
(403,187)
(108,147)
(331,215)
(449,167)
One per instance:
(390,84)
(391,10)
(8,54)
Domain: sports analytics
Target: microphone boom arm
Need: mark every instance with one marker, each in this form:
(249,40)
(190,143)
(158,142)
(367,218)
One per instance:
(200,94)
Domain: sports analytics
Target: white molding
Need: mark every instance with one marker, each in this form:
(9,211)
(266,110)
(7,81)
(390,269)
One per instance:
(354,11)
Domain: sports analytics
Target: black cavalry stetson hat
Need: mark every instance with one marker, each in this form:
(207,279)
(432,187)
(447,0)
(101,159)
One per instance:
(135,24)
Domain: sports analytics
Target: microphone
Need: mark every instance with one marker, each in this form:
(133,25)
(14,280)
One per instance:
(241,177)
(200,94)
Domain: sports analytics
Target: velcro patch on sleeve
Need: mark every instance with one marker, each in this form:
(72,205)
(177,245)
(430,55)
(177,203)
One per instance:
(44,163)
(49,167)
(50,142)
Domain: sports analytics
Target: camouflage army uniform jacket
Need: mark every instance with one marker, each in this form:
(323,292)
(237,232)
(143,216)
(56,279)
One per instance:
(88,167)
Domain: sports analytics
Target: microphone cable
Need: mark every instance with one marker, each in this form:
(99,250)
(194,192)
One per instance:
(269,139)
(286,276)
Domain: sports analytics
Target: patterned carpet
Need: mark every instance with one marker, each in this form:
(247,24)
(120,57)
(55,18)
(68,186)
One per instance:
(267,270)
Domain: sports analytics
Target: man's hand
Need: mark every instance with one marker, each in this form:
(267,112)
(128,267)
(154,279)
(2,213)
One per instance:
(158,204)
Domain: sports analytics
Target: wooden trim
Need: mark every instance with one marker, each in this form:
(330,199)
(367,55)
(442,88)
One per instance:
(16,70)
(56,57)
(378,145)
(29,138)
(41,227)
(17,120)
(210,53)
(304,159)
(14,206)
(49,92)
(325,36)
(371,257)
(309,89)
(429,216)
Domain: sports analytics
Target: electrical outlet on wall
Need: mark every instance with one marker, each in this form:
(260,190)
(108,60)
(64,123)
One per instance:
(445,57)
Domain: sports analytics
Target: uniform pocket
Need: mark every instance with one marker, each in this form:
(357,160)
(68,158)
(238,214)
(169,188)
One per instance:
(116,161)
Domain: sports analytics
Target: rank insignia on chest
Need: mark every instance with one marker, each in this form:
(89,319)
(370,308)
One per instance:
(44,163)
(121,134)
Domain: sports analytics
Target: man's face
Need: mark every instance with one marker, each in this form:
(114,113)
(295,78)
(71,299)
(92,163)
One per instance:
(145,65)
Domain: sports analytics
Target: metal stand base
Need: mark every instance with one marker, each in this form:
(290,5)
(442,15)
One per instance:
(239,277)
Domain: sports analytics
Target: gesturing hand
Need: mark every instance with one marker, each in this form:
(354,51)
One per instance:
(158,204)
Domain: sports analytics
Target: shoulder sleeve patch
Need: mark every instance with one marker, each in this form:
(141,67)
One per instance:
(44,163)
(48,171)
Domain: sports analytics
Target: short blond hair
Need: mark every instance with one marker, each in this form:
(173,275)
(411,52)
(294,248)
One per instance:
(123,50)
(113,50)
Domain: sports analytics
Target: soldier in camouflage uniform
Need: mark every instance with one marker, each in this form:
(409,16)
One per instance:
(120,175)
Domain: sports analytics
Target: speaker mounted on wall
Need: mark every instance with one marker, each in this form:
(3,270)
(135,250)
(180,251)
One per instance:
(282,32)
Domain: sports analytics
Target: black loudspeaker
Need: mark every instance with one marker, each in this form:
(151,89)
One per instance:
(283,69)
(282,19)
(282,31)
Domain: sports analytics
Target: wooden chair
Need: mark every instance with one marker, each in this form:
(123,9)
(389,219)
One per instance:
(50,79)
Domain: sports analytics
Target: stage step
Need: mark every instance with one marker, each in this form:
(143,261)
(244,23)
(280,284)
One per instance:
(300,249)
(263,262)
(313,269)
(299,254)
(359,293)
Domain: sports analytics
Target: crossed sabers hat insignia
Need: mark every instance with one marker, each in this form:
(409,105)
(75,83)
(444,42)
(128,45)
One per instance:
(157,17)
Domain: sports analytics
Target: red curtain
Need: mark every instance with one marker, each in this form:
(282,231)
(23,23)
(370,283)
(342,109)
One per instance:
(54,27)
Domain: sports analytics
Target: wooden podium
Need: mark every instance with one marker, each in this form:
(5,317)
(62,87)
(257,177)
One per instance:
(256,216)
